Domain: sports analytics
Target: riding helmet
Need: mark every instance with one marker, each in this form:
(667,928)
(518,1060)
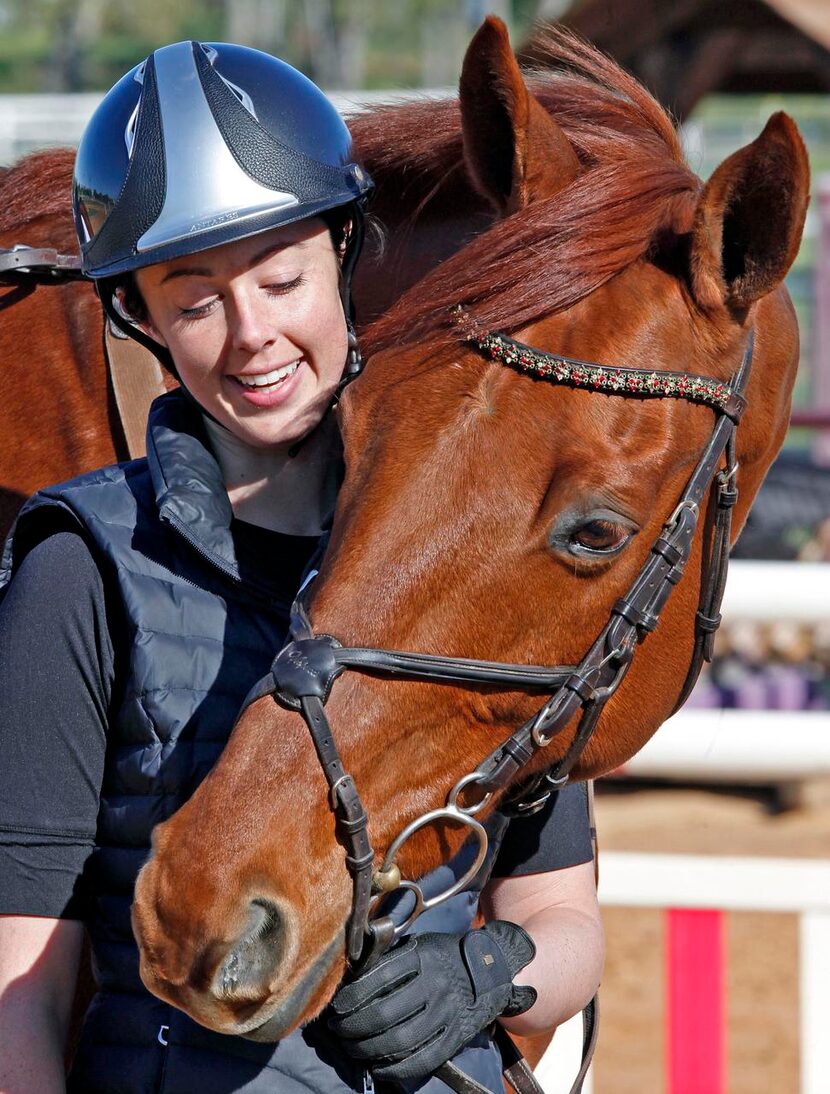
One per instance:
(202,144)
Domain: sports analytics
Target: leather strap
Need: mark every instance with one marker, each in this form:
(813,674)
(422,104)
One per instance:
(516,1069)
(352,821)
(430,666)
(590,1033)
(137,380)
(38,266)
(457,1080)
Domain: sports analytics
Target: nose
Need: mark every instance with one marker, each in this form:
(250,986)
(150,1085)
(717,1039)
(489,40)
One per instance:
(252,325)
(251,962)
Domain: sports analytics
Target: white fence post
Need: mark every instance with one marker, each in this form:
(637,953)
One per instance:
(814,996)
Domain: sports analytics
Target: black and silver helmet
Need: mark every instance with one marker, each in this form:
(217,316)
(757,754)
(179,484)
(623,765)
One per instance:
(203,144)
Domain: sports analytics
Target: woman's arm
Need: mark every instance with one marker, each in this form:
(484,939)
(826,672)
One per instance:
(559,910)
(38,968)
(55,681)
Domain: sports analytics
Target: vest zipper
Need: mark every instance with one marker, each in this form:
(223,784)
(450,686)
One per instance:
(218,564)
(186,534)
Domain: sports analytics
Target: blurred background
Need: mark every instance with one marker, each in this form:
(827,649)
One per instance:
(712,984)
(85,45)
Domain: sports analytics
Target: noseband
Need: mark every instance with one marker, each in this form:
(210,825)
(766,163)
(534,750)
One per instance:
(303,673)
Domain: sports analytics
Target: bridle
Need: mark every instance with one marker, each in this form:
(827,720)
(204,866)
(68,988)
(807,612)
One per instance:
(304,671)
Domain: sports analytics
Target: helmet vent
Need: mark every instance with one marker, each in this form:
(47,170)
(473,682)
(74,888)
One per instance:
(129,130)
(243,96)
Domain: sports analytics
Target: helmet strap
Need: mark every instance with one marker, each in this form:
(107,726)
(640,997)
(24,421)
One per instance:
(354,360)
(353,248)
(105,287)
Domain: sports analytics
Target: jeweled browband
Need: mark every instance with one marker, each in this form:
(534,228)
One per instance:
(613,380)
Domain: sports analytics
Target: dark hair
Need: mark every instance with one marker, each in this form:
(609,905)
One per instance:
(337,221)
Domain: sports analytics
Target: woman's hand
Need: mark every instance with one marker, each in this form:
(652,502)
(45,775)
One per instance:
(429,996)
(38,968)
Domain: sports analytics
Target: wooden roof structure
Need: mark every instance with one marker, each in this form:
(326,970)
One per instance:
(684,49)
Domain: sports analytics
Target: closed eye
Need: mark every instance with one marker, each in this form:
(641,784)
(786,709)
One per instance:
(277,288)
(280,288)
(199,310)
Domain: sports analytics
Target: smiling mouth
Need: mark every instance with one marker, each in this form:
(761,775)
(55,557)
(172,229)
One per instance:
(267,381)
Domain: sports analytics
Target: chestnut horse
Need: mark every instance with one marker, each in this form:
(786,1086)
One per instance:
(487,513)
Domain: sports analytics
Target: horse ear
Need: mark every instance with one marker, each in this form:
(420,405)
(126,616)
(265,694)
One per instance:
(749,219)
(514,150)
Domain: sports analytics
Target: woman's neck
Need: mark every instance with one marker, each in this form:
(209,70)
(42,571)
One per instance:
(270,488)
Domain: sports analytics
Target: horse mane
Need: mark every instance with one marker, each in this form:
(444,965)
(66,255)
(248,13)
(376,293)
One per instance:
(635,185)
(37,186)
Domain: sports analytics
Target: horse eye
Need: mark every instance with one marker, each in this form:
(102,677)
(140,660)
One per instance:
(600,536)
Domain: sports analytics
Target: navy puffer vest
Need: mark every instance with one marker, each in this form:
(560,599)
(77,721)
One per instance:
(197,637)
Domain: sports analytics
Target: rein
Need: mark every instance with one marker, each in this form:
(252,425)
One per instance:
(304,671)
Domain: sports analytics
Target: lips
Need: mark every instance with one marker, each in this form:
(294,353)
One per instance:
(269,389)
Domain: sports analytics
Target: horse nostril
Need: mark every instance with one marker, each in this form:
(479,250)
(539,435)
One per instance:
(250,963)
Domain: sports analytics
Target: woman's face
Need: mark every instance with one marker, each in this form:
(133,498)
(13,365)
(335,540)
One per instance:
(255,328)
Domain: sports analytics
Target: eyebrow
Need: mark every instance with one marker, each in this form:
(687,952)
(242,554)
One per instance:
(206,271)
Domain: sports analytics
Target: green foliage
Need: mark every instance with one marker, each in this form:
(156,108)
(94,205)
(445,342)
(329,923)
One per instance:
(86,45)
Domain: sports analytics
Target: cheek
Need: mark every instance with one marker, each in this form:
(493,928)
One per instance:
(328,338)
(197,350)
(192,378)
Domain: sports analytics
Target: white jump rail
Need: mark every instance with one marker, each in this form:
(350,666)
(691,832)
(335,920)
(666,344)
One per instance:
(798,591)
(744,746)
(736,746)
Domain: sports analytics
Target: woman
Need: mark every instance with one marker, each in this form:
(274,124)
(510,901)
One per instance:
(220,213)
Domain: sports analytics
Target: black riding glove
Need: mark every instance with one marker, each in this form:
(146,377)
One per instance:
(430,995)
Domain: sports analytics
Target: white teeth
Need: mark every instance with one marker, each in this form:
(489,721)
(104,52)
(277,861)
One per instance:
(268,378)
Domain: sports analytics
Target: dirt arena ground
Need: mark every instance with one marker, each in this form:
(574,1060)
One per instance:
(762,949)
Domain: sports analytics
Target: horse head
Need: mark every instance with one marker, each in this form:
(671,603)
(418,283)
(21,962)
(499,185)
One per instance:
(493,515)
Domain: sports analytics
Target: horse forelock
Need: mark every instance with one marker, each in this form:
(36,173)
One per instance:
(554,252)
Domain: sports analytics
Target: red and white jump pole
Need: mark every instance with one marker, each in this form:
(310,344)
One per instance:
(696,891)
